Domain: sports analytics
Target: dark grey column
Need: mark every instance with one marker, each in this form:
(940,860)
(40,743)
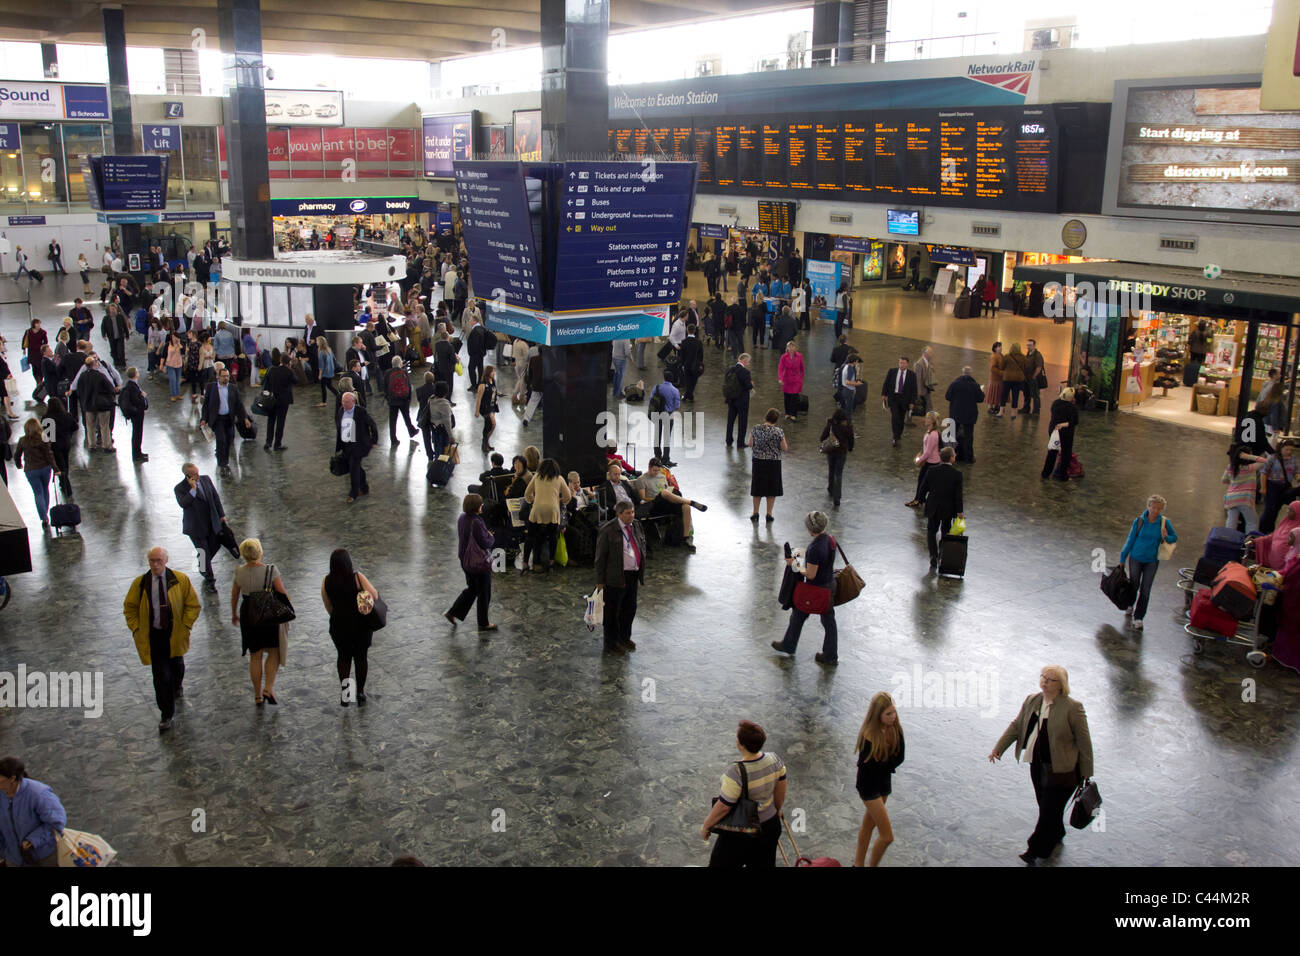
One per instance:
(832,32)
(251,233)
(50,61)
(575,124)
(119,98)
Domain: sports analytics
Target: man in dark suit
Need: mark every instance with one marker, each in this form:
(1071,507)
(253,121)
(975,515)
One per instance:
(758,321)
(964,396)
(691,357)
(615,488)
(477,343)
(738,405)
(279,382)
(134,403)
(310,332)
(422,396)
(55,255)
(941,489)
(620,570)
(734,326)
(203,519)
(222,407)
(355,433)
(784,329)
(897,395)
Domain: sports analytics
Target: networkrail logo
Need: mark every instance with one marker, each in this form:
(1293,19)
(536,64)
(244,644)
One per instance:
(1013,77)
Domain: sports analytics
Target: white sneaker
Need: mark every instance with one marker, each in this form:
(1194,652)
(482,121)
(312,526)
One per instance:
(1128,612)
(1137,624)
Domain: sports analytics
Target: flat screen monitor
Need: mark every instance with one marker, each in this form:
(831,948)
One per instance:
(903,222)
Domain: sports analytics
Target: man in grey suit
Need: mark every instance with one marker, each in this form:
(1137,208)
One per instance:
(204,519)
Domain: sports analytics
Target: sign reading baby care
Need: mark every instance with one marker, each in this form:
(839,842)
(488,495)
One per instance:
(52,101)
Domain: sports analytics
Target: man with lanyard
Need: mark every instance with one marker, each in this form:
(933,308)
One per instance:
(222,407)
(620,569)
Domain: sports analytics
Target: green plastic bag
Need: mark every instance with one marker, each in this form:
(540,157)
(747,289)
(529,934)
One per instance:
(561,552)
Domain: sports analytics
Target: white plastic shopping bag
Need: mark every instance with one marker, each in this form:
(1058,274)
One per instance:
(594,616)
(78,848)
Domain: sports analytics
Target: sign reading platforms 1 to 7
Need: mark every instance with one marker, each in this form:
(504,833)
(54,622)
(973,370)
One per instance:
(498,232)
(623,231)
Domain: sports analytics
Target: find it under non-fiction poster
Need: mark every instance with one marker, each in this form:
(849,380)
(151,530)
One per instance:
(527,133)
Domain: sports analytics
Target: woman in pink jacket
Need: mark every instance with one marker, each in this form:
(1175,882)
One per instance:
(928,457)
(789,371)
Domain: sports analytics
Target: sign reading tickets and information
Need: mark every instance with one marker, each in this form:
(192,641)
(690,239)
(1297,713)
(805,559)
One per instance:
(623,232)
(498,233)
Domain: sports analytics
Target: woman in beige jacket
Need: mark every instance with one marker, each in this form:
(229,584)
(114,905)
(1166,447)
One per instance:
(1051,735)
(547,493)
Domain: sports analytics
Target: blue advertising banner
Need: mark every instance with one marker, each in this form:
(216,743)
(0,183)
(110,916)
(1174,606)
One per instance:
(824,281)
(446,140)
(497,227)
(160,138)
(86,102)
(9,136)
(623,231)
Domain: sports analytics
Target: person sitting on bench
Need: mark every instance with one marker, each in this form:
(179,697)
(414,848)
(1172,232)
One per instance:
(653,488)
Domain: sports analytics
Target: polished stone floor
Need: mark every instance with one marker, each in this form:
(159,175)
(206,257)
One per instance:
(533,748)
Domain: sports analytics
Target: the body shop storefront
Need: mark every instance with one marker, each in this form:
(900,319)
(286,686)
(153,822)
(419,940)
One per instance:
(1139,342)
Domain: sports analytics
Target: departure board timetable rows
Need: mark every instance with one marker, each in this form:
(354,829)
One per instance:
(995,157)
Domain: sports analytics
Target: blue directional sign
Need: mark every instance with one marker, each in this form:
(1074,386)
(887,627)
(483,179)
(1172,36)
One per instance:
(129,183)
(9,136)
(160,138)
(623,230)
(498,233)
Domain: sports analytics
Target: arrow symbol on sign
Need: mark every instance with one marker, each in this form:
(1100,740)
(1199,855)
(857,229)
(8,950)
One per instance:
(154,131)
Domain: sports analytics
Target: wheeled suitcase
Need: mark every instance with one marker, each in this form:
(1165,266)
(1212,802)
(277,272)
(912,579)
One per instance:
(1207,617)
(1233,591)
(440,470)
(952,555)
(1075,470)
(1224,545)
(63,514)
(36,274)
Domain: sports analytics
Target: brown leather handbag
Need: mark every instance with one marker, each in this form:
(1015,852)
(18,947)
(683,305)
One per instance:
(848,583)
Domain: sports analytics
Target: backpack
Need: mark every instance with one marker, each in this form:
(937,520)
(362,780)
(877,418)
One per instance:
(837,380)
(399,386)
(657,403)
(731,384)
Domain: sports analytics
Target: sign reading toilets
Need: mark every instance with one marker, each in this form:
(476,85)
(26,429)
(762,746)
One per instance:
(52,101)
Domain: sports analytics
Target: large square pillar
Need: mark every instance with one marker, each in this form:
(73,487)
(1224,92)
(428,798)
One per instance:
(251,232)
(119,98)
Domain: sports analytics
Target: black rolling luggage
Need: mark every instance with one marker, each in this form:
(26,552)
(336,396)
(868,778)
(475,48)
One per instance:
(952,555)
(63,514)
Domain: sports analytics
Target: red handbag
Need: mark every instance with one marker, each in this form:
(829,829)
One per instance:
(812,599)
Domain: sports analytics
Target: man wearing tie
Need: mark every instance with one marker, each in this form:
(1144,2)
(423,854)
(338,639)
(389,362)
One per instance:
(222,407)
(897,395)
(356,433)
(203,518)
(620,569)
(160,609)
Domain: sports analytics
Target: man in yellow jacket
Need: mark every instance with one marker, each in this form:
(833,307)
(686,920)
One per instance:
(160,609)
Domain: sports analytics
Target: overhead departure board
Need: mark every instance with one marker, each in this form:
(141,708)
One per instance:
(776,218)
(622,236)
(992,157)
(496,222)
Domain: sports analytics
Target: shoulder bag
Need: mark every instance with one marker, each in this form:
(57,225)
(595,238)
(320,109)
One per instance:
(848,583)
(1165,551)
(476,559)
(743,817)
(268,607)
(812,599)
(830,444)
(373,612)
(1087,803)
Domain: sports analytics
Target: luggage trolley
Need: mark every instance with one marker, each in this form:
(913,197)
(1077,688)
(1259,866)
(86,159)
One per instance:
(1247,634)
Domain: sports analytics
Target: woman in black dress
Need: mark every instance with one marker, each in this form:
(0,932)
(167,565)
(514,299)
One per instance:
(1065,419)
(880,751)
(257,640)
(350,630)
(768,443)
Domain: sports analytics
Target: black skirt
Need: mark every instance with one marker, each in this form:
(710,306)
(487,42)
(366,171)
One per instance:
(266,638)
(765,482)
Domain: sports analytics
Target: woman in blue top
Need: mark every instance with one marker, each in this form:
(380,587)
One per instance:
(818,571)
(31,817)
(1142,552)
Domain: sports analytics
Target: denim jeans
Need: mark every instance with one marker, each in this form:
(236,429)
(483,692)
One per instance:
(848,397)
(830,643)
(1142,574)
(620,367)
(174,380)
(1247,512)
(40,482)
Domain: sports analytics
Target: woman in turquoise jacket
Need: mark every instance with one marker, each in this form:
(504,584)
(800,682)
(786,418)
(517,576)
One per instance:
(1141,552)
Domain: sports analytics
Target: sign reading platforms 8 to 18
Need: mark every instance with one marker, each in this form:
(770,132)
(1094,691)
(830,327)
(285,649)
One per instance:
(622,234)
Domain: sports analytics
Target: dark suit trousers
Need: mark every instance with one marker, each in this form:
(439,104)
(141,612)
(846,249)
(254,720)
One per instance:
(478,587)
(620,609)
(168,672)
(275,425)
(738,410)
(394,412)
(935,529)
(966,443)
(475,370)
(357,474)
(207,546)
(1052,798)
(118,349)
(224,428)
(689,380)
(137,434)
(835,474)
(897,414)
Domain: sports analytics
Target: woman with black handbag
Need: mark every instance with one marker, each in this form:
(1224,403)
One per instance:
(263,628)
(814,594)
(746,814)
(344,593)
(1051,735)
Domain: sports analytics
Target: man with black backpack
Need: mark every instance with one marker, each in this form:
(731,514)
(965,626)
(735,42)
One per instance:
(737,384)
